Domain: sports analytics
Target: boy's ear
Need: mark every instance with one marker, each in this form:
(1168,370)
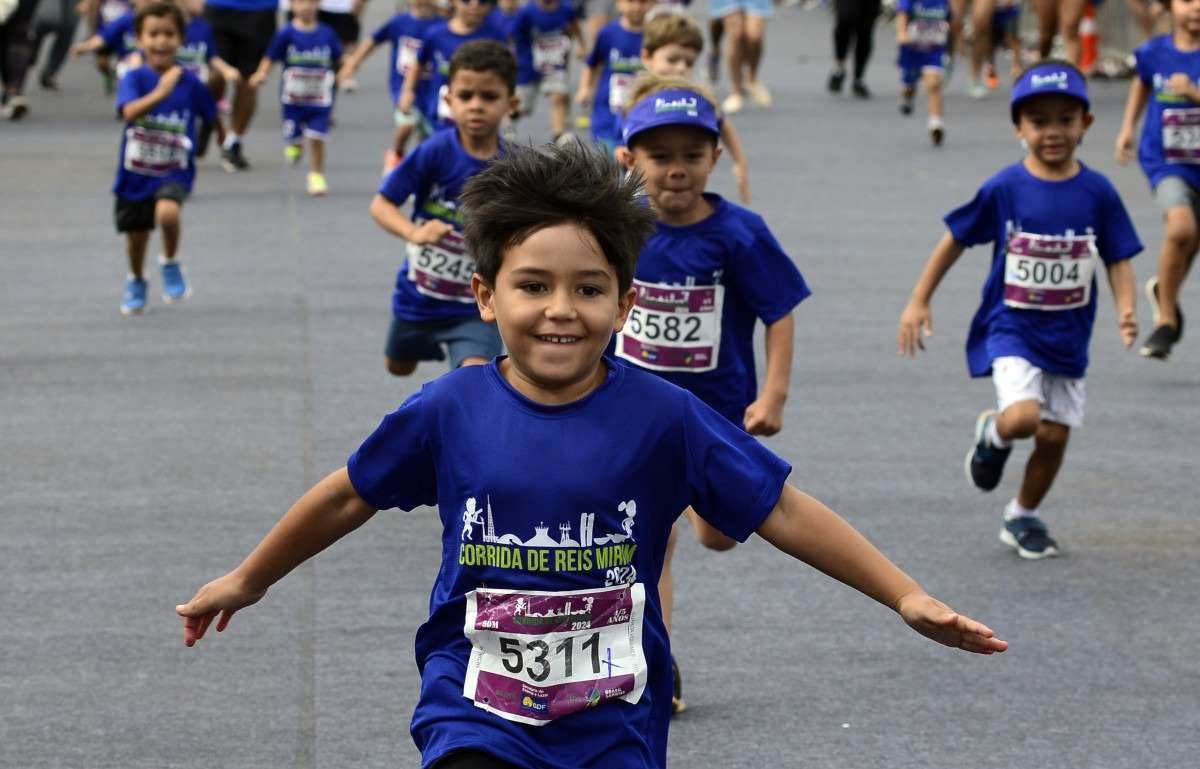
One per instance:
(485,296)
(646,58)
(514,102)
(624,305)
(716,152)
(625,156)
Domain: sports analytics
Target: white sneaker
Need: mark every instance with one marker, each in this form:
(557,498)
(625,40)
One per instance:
(937,131)
(733,104)
(977,90)
(760,95)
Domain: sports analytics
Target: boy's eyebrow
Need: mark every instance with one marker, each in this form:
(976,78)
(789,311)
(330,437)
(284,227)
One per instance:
(540,272)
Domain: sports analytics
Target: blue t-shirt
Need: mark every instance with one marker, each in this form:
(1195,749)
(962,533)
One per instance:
(732,249)
(309,59)
(244,5)
(119,36)
(439,46)
(928,23)
(534,23)
(198,47)
(1169,118)
(620,53)
(1026,217)
(158,147)
(405,32)
(597,512)
(433,175)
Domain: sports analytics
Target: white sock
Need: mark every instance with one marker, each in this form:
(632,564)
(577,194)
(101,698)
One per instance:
(162,259)
(994,437)
(231,139)
(1014,510)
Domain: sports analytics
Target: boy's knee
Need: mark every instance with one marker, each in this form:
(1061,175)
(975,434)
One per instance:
(1181,229)
(1021,420)
(400,367)
(166,212)
(1053,435)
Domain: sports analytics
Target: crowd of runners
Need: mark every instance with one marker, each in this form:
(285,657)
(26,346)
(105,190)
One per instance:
(594,286)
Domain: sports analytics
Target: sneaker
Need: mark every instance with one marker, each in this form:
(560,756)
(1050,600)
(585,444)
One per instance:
(985,462)
(391,159)
(232,158)
(292,153)
(349,85)
(760,95)
(677,703)
(836,79)
(733,104)
(937,131)
(48,83)
(977,90)
(1152,296)
(583,122)
(16,108)
(316,184)
(990,79)
(175,284)
(906,105)
(860,90)
(1029,537)
(110,82)
(1158,345)
(133,301)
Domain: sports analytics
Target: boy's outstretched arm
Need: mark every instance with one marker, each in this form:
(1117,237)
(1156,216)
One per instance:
(917,319)
(765,415)
(733,143)
(808,530)
(1139,96)
(1121,280)
(326,513)
(352,62)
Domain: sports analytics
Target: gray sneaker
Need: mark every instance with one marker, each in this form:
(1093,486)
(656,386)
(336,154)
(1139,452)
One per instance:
(1029,536)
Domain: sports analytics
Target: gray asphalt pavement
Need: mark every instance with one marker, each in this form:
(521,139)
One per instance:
(141,457)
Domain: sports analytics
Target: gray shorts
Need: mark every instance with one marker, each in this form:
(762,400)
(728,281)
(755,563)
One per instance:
(460,338)
(1173,192)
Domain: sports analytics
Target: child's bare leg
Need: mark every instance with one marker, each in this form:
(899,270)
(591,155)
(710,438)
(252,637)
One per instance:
(316,155)
(1047,24)
(135,248)
(982,45)
(1049,447)
(753,42)
(558,113)
(735,30)
(707,535)
(1178,248)
(400,139)
(666,582)
(932,80)
(1070,15)
(1014,47)
(166,213)
(1020,420)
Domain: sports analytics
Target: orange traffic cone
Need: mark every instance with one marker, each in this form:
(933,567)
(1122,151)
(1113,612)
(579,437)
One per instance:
(1089,40)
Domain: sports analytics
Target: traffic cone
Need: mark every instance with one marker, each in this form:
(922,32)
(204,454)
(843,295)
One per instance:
(1089,40)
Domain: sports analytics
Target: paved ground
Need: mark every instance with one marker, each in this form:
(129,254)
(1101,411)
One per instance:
(139,458)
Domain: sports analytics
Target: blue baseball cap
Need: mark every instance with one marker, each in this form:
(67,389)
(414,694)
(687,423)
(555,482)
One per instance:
(1049,77)
(674,107)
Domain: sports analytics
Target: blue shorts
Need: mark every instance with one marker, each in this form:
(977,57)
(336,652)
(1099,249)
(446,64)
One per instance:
(914,61)
(462,338)
(312,122)
(762,9)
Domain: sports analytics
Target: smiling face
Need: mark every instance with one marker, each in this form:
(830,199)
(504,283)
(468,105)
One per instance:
(673,60)
(1052,126)
(159,39)
(479,100)
(305,11)
(1185,16)
(676,161)
(557,303)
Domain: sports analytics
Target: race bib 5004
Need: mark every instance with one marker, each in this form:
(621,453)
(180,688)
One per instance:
(537,656)
(442,270)
(673,328)
(1044,272)
(1181,135)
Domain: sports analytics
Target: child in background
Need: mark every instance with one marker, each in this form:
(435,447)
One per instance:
(160,103)
(117,40)
(1053,221)
(922,32)
(557,657)
(310,53)
(709,273)
(1006,33)
(468,23)
(404,32)
(198,55)
(614,62)
(542,33)
(1168,69)
(433,306)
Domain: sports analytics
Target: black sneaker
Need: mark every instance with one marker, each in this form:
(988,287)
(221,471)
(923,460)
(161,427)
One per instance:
(906,105)
(677,703)
(1158,344)
(836,79)
(860,90)
(232,158)
(1029,537)
(985,462)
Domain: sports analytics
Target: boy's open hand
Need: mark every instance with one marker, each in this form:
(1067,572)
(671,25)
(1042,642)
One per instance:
(431,231)
(224,596)
(916,322)
(1128,326)
(1124,149)
(170,79)
(743,182)
(257,79)
(583,97)
(937,621)
(1181,85)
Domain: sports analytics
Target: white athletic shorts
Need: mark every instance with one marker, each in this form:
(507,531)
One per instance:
(1061,397)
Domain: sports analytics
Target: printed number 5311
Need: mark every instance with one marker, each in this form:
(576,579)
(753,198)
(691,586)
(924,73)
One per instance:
(546,657)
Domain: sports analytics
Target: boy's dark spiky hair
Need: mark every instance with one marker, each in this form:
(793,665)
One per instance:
(528,189)
(485,56)
(159,10)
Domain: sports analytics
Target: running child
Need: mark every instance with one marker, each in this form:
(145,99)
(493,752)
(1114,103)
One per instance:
(550,652)
(1053,221)
(117,40)
(1168,68)
(1006,33)
(612,66)
(469,22)
(310,53)
(404,32)
(433,307)
(711,271)
(198,55)
(542,34)
(922,33)
(160,103)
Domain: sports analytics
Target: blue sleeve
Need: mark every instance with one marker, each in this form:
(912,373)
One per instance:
(112,34)
(335,47)
(407,178)
(210,42)
(1143,64)
(975,222)
(386,32)
(766,277)
(600,49)
(278,47)
(203,102)
(1117,239)
(129,88)
(427,45)
(394,465)
(904,6)
(518,29)
(733,480)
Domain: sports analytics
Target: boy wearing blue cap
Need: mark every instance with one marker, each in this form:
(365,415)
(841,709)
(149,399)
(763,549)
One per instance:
(545,651)
(922,32)
(1053,220)
(709,273)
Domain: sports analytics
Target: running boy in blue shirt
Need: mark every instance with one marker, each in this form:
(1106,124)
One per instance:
(116,38)
(612,67)
(160,103)
(433,305)
(542,34)
(404,32)
(545,646)
(311,54)
(1053,221)
(922,33)
(1168,71)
